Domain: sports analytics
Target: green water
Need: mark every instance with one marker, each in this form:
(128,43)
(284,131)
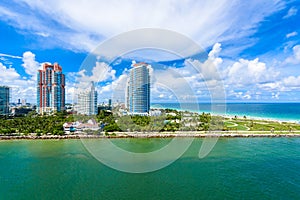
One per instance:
(237,168)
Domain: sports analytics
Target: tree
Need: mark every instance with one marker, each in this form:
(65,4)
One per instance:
(204,119)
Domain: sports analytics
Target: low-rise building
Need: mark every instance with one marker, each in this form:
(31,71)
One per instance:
(79,127)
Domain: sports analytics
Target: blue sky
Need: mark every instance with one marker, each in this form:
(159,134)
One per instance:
(255,46)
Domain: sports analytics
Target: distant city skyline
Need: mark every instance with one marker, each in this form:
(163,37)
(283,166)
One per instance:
(255,45)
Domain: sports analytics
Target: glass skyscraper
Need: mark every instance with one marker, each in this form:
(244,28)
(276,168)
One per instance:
(87,102)
(50,89)
(4,100)
(138,89)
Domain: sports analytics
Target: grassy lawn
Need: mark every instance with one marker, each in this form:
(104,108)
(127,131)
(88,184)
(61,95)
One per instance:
(234,125)
(260,125)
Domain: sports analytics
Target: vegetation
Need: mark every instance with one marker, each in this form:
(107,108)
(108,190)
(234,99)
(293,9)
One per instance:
(259,125)
(33,123)
(170,121)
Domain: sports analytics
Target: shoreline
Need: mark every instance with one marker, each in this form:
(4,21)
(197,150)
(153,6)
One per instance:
(238,114)
(241,116)
(248,117)
(232,134)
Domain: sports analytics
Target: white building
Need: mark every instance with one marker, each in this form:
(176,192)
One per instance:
(138,90)
(87,102)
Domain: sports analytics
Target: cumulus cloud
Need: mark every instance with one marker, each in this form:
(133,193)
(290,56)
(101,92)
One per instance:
(30,64)
(295,58)
(173,83)
(275,95)
(188,82)
(104,77)
(215,51)
(20,88)
(7,75)
(195,79)
(100,72)
(243,79)
(71,90)
(286,84)
(209,68)
(292,81)
(246,72)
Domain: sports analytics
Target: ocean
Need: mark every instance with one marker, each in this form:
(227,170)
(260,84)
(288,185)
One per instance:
(236,168)
(276,111)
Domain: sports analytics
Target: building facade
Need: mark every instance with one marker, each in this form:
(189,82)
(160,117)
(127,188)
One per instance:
(138,90)
(4,100)
(50,89)
(87,102)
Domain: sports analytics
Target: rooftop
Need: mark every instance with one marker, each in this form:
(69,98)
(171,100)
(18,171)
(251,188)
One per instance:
(139,64)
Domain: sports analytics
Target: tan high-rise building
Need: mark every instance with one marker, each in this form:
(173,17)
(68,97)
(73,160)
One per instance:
(50,89)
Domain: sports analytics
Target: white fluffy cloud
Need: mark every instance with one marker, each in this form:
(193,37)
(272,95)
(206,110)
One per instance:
(243,80)
(275,95)
(194,78)
(30,64)
(292,81)
(21,86)
(7,75)
(252,80)
(245,72)
(209,68)
(295,58)
(100,72)
(242,95)
(286,84)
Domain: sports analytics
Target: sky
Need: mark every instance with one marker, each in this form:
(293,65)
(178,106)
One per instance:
(250,50)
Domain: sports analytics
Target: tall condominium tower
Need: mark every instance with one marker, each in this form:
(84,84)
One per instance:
(4,100)
(138,89)
(87,102)
(50,89)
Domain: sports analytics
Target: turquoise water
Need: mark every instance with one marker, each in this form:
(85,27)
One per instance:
(278,111)
(237,168)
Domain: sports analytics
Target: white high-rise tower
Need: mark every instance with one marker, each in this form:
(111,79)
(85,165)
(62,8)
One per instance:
(87,102)
(138,89)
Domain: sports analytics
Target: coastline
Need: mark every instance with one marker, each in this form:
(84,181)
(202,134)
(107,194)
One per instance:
(231,113)
(196,134)
(249,117)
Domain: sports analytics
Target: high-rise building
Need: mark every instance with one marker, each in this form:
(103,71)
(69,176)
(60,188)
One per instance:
(23,102)
(138,89)
(4,100)
(50,89)
(87,102)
